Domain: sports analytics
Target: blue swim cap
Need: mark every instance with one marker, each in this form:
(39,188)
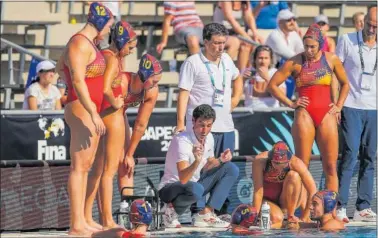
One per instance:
(140,212)
(122,34)
(148,66)
(244,215)
(329,199)
(99,15)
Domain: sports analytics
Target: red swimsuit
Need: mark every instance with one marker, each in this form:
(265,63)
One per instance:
(314,82)
(94,78)
(132,99)
(273,182)
(116,84)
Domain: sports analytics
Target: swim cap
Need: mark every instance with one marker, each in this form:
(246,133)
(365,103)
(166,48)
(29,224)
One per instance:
(329,199)
(140,212)
(244,215)
(99,15)
(314,32)
(148,66)
(280,153)
(122,34)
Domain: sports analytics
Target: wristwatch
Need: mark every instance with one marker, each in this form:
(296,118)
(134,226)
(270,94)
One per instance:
(220,162)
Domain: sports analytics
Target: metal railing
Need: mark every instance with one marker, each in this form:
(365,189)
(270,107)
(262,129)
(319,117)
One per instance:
(23,52)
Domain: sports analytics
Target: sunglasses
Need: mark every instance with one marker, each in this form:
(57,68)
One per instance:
(321,23)
(47,71)
(291,19)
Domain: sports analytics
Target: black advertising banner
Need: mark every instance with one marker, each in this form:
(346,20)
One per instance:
(47,137)
(34,137)
(158,135)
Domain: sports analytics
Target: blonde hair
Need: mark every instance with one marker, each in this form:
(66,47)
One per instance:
(357,14)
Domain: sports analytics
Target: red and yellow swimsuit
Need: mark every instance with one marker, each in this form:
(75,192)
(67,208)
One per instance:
(94,78)
(314,82)
(132,99)
(116,84)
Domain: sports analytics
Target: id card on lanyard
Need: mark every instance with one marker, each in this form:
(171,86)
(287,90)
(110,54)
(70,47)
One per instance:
(366,77)
(218,98)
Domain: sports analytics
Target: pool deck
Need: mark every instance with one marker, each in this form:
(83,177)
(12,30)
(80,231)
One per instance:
(184,229)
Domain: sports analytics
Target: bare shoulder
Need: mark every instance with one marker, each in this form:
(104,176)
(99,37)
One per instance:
(295,162)
(331,56)
(331,40)
(79,43)
(110,57)
(294,62)
(260,159)
(332,59)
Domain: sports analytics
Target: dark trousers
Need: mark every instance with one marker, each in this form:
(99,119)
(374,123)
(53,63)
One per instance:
(217,181)
(360,133)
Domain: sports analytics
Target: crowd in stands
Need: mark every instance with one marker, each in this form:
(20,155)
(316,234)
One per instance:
(284,41)
(326,83)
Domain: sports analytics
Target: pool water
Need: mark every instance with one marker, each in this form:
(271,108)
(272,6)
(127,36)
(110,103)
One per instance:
(348,232)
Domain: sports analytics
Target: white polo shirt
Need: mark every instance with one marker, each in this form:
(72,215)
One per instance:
(285,48)
(181,149)
(363,88)
(195,78)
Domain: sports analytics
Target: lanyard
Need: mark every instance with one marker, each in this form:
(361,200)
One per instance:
(362,59)
(211,76)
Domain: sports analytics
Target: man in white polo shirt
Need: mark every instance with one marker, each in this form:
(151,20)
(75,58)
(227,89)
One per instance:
(207,78)
(191,172)
(358,52)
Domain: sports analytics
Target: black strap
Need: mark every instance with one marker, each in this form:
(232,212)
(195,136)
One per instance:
(362,59)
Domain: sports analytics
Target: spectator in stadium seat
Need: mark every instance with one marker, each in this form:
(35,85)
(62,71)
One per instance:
(187,26)
(257,79)
(329,43)
(315,114)
(192,171)
(42,94)
(226,13)
(358,52)
(266,13)
(82,67)
(358,20)
(285,40)
(208,77)
(286,43)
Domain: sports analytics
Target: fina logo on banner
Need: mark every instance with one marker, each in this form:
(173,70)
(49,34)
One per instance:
(51,128)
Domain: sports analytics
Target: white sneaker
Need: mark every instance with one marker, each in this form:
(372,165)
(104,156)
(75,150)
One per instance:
(170,217)
(341,215)
(365,215)
(209,220)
